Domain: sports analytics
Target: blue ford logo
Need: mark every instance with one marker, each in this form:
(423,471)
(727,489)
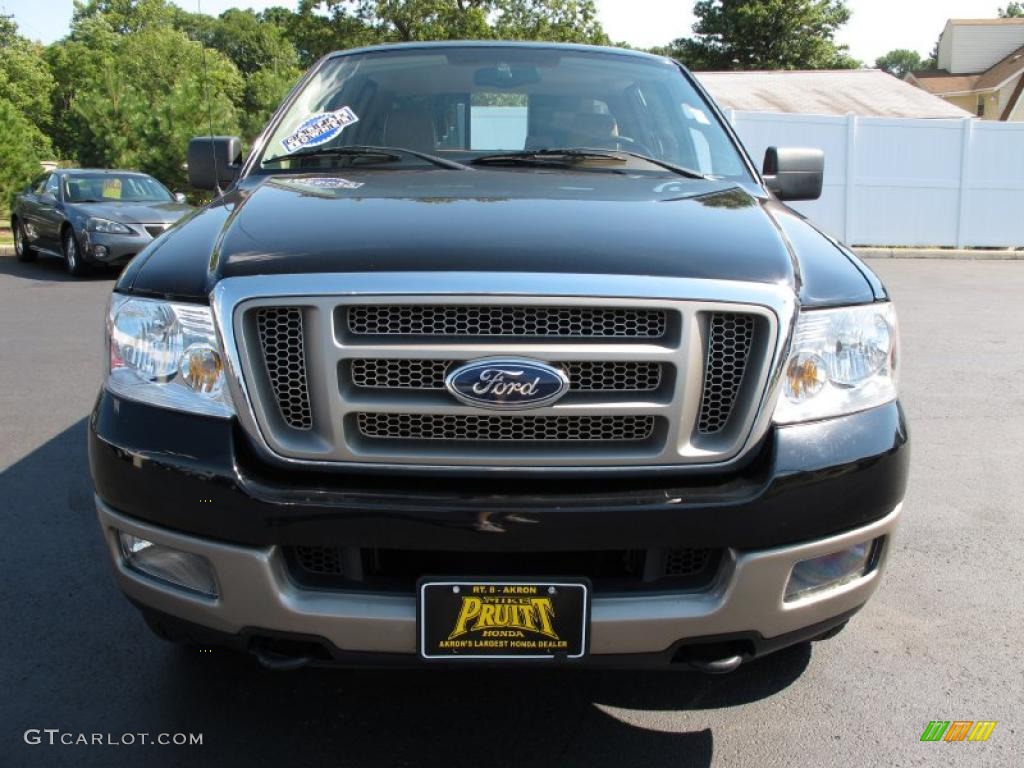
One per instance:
(507,383)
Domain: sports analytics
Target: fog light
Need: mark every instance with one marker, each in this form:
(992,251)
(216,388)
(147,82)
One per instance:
(100,251)
(832,570)
(180,569)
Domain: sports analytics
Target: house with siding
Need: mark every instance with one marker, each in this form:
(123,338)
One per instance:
(980,68)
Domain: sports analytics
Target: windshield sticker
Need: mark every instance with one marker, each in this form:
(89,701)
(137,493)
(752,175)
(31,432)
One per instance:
(112,189)
(318,129)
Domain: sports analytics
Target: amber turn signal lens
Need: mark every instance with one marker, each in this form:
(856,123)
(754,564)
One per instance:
(805,376)
(202,369)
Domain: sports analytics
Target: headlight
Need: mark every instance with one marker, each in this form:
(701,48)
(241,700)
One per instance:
(108,227)
(166,354)
(842,361)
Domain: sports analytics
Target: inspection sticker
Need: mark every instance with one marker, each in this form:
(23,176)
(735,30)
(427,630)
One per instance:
(318,129)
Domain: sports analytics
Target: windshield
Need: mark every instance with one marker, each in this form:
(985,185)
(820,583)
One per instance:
(463,103)
(115,188)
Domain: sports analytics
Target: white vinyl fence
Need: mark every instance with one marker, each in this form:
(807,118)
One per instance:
(906,182)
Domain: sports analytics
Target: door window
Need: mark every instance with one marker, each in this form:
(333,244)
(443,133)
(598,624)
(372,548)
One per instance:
(52,184)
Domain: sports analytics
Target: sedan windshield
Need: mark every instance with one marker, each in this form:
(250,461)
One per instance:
(115,188)
(469,103)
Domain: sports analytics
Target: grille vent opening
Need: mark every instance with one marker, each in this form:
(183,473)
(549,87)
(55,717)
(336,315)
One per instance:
(281,338)
(730,342)
(473,320)
(417,426)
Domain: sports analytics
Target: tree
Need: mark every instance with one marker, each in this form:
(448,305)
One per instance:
(1012,11)
(409,20)
(133,99)
(555,20)
(899,62)
(125,16)
(26,83)
(18,159)
(318,28)
(766,34)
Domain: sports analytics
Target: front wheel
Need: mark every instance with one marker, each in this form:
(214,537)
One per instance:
(22,249)
(73,254)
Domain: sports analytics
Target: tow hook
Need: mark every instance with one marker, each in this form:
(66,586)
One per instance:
(717,666)
(276,661)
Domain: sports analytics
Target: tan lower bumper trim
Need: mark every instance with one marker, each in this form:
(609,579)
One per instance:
(256,592)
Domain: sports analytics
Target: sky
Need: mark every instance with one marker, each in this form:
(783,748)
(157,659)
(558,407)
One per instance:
(876,27)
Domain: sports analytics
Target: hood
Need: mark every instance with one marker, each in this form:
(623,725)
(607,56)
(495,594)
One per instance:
(134,213)
(477,221)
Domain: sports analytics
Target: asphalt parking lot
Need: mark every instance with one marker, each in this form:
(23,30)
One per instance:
(940,641)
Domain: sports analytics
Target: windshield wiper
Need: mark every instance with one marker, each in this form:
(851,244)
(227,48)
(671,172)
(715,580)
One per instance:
(384,154)
(569,157)
(544,157)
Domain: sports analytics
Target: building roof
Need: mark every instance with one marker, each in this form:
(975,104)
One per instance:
(985,22)
(1002,70)
(941,82)
(866,92)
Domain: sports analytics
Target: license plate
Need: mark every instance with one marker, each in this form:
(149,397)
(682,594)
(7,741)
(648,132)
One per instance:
(503,619)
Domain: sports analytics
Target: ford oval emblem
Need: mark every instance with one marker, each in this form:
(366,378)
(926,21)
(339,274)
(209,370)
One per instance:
(507,383)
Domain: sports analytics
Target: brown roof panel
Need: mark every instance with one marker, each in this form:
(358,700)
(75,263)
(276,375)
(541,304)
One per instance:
(940,81)
(866,92)
(985,22)
(1002,71)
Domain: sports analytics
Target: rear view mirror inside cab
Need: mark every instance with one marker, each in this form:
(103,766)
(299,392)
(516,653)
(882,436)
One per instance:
(506,76)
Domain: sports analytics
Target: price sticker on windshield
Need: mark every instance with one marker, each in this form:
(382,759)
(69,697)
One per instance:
(319,129)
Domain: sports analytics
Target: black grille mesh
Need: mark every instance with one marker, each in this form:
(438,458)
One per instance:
(686,562)
(417,426)
(473,320)
(730,337)
(584,375)
(280,333)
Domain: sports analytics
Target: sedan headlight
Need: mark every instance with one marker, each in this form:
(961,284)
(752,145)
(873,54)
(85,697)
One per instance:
(166,354)
(108,227)
(842,361)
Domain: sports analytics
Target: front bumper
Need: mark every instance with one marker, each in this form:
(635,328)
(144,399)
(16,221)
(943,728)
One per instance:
(256,596)
(106,248)
(189,483)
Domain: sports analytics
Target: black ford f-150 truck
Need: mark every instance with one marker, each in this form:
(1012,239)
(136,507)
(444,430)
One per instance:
(499,353)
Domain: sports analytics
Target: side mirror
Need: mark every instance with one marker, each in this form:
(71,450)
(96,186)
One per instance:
(214,161)
(794,174)
(179,197)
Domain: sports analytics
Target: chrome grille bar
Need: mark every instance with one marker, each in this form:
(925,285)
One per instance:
(584,375)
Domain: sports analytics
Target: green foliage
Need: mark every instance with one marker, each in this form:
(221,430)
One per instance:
(766,34)
(1013,10)
(26,82)
(899,62)
(19,161)
(133,100)
(554,20)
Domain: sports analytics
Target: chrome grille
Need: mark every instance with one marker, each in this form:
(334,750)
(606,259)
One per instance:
(155,230)
(730,338)
(418,426)
(320,394)
(584,375)
(281,337)
(505,320)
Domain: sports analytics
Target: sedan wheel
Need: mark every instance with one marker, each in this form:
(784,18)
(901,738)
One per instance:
(72,254)
(22,249)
